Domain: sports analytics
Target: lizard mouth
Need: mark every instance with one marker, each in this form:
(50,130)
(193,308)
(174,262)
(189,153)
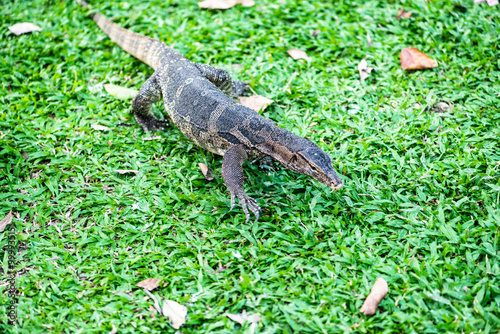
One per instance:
(334,182)
(335,186)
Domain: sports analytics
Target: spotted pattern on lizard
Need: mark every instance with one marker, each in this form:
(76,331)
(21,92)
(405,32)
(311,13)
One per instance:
(198,99)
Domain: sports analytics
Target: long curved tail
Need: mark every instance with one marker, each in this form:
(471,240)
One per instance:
(141,47)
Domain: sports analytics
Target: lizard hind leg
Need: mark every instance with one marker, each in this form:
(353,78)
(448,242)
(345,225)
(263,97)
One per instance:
(222,79)
(232,172)
(149,93)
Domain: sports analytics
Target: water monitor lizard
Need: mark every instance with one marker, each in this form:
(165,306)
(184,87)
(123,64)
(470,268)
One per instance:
(198,100)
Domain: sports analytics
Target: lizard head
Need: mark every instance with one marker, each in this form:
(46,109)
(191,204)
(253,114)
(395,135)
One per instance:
(315,163)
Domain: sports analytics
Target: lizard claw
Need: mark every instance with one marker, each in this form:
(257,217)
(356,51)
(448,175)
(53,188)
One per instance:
(151,123)
(247,202)
(232,202)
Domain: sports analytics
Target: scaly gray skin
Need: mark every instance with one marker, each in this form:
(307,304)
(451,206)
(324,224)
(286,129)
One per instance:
(196,98)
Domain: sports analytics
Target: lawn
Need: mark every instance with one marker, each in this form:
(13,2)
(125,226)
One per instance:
(420,206)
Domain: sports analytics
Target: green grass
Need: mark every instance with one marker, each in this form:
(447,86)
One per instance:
(420,205)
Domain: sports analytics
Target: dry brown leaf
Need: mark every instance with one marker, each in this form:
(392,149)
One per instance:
(175,312)
(149,283)
(406,15)
(378,292)
(403,14)
(224,4)
(255,102)
(298,54)
(364,70)
(207,173)
(6,221)
(414,59)
(125,171)
(99,127)
(221,267)
(315,32)
(23,28)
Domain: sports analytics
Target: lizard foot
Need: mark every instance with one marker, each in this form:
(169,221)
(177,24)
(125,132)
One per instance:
(151,123)
(246,202)
(240,88)
(265,163)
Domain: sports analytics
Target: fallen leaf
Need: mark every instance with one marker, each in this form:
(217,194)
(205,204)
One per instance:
(378,292)
(315,32)
(368,39)
(207,173)
(217,4)
(364,70)
(175,312)
(221,268)
(403,14)
(236,318)
(23,28)
(489,2)
(99,127)
(298,54)
(414,59)
(241,318)
(6,221)
(122,93)
(255,102)
(149,283)
(224,4)
(247,3)
(152,138)
(125,171)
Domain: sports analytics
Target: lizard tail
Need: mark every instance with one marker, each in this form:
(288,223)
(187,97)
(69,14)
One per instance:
(141,47)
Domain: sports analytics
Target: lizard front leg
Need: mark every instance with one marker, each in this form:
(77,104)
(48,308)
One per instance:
(149,93)
(222,79)
(232,172)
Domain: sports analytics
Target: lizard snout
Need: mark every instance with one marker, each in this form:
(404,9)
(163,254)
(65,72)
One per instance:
(336,186)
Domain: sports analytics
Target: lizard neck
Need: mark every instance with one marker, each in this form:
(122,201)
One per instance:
(282,145)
